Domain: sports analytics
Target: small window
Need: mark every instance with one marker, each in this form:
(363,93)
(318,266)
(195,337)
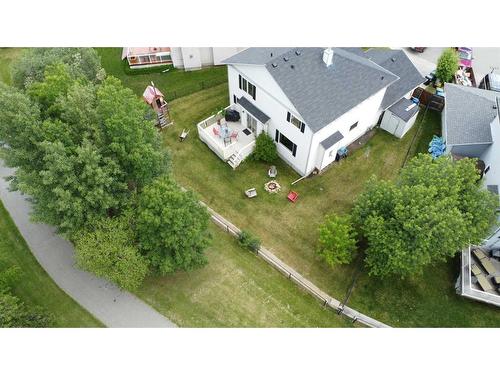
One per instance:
(296,122)
(247,87)
(487,169)
(353,126)
(286,142)
(235,99)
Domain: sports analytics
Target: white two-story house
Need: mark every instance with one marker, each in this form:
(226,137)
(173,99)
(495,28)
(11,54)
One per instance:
(311,101)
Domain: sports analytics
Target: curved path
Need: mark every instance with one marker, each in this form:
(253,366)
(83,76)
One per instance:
(113,307)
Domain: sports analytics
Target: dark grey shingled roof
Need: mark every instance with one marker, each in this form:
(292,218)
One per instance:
(320,94)
(257,113)
(256,55)
(399,109)
(331,140)
(469,113)
(399,64)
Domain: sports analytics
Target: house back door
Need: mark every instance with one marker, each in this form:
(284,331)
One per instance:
(251,124)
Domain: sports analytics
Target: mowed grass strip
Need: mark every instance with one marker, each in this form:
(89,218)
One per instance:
(35,287)
(290,230)
(235,289)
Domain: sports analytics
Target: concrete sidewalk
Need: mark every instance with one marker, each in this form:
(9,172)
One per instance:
(113,307)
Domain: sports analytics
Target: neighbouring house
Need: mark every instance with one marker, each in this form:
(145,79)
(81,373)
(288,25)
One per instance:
(142,57)
(471,128)
(311,101)
(193,58)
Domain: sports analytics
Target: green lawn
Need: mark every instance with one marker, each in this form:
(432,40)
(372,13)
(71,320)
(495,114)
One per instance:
(35,286)
(290,230)
(7,56)
(173,84)
(235,289)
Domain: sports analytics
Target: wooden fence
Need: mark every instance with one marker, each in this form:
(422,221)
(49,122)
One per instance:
(296,277)
(431,101)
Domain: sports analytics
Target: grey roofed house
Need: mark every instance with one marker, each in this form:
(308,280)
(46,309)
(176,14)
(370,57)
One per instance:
(399,64)
(468,115)
(320,93)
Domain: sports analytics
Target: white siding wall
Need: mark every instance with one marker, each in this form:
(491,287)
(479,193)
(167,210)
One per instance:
(365,113)
(202,56)
(271,100)
(492,156)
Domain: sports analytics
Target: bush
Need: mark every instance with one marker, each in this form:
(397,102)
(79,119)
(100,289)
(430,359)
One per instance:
(337,240)
(15,314)
(265,149)
(107,249)
(172,227)
(447,65)
(249,241)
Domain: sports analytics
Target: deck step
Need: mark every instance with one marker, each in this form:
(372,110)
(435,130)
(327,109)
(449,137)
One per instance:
(234,160)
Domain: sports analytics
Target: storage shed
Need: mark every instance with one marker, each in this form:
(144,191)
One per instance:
(400,117)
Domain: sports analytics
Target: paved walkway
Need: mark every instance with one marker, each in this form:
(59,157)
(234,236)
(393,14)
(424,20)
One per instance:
(113,307)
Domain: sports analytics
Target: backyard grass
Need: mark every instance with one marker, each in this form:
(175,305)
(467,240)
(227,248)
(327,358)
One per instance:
(173,84)
(235,289)
(7,55)
(290,230)
(35,286)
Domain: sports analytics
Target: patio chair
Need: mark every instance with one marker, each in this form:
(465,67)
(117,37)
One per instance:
(272,172)
(216,131)
(250,193)
(293,196)
(234,135)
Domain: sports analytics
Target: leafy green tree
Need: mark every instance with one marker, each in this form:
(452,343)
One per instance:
(337,240)
(447,65)
(15,314)
(129,138)
(265,149)
(83,63)
(172,227)
(433,210)
(19,124)
(56,83)
(107,249)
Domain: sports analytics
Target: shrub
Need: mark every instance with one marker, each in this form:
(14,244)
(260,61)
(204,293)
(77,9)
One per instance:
(447,65)
(337,240)
(15,314)
(172,227)
(265,149)
(249,241)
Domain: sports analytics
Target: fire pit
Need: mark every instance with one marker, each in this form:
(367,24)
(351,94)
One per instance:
(272,186)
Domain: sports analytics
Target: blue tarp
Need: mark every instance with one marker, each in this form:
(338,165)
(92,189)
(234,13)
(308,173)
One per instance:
(437,147)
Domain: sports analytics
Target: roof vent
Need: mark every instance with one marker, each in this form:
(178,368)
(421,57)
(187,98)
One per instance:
(382,78)
(274,65)
(292,66)
(271,54)
(286,58)
(328,56)
(298,52)
(494,106)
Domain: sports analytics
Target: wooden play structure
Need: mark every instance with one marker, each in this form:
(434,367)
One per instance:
(155,99)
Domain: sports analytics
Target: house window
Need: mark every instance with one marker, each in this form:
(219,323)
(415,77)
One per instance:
(235,99)
(295,122)
(247,87)
(487,169)
(279,137)
(353,126)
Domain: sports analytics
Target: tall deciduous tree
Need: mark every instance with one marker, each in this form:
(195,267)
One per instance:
(337,240)
(171,227)
(447,65)
(82,62)
(433,210)
(107,249)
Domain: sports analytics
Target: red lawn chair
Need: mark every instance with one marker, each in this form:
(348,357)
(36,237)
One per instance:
(293,196)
